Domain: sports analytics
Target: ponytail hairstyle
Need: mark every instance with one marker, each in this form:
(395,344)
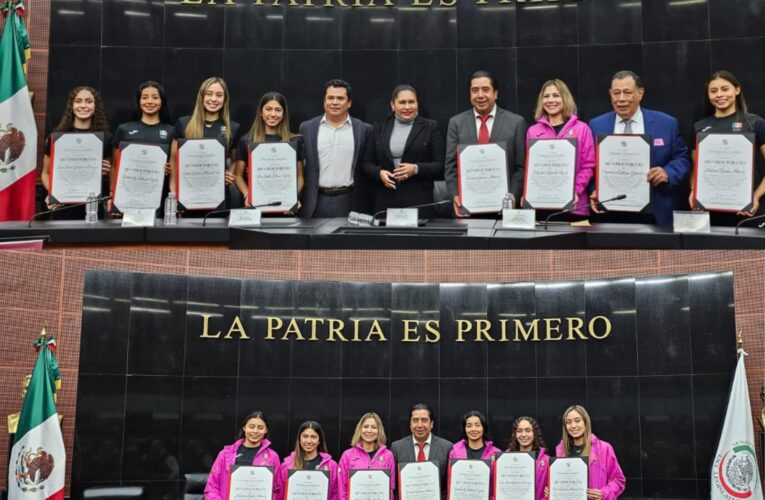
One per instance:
(742,111)
(164,107)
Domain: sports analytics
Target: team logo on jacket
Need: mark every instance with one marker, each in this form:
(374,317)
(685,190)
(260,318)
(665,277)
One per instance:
(571,132)
(12,144)
(32,468)
(133,132)
(735,471)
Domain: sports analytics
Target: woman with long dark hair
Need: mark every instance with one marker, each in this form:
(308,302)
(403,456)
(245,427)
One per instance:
(526,436)
(728,113)
(310,453)
(250,448)
(271,124)
(84,112)
(150,124)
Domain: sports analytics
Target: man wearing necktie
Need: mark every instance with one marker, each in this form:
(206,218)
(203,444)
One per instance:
(669,154)
(484,123)
(422,445)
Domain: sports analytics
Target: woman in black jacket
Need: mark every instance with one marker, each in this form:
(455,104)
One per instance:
(406,155)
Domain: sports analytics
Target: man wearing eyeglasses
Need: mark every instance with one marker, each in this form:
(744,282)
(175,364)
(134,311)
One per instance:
(669,154)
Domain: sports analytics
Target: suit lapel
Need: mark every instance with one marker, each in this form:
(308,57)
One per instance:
(386,133)
(496,128)
(417,127)
(315,142)
(470,121)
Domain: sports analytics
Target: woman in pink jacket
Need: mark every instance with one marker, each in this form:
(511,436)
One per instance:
(527,436)
(606,480)
(556,118)
(251,448)
(473,443)
(367,451)
(310,454)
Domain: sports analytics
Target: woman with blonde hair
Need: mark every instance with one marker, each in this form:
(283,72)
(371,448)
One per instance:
(271,124)
(211,119)
(555,116)
(606,479)
(367,451)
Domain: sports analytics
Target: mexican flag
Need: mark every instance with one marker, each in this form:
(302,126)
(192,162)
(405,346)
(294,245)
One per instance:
(37,463)
(735,473)
(18,133)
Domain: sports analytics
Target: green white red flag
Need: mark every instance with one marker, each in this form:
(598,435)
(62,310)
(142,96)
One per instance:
(36,470)
(18,132)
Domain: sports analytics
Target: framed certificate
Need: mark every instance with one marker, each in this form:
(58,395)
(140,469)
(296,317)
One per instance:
(515,476)
(139,173)
(307,485)
(568,478)
(724,179)
(469,479)
(482,176)
(369,484)
(201,169)
(272,168)
(550,174)
(419,481)
(75,166)
(622,163)
(251,482)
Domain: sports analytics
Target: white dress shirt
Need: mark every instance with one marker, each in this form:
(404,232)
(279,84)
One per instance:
(336,147)
(425,450)
(638,126)
(489,122)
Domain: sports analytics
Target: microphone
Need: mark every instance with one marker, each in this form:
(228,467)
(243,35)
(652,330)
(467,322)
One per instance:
(226,210)
(66,207)
(376,222)
(618,197)
(748,219)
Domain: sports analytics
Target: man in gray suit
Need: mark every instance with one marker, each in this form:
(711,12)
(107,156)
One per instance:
(484,123)
(334,147)
(422,444)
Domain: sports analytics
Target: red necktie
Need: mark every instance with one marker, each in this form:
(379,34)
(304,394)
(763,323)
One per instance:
(421,453)
(483,133)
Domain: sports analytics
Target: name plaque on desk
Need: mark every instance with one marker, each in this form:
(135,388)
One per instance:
(519,219)
(244,217)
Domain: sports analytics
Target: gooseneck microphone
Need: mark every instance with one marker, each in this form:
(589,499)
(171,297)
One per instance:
(227,210)
(748,219)
(424,205)
(66,207)
(618,197)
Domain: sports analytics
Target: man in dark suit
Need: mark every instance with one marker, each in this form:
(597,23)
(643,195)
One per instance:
(484,123)
(334,148)
(422,444)
(669,154)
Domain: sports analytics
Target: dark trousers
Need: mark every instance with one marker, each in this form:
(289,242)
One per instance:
(333,206)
